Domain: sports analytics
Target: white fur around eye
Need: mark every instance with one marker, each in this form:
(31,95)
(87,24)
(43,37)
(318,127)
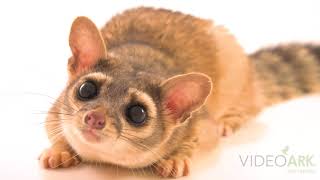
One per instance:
(98,76)
(146,100)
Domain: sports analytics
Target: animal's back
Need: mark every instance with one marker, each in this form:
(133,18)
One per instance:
(189,44)
(184,40)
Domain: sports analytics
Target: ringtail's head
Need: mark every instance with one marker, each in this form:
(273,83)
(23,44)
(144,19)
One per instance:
(122,116)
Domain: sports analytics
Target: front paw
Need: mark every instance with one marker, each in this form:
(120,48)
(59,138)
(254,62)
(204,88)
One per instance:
(173,167)
(54,158)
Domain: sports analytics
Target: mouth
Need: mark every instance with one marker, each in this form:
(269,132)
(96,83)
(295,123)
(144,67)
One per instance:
(90,135)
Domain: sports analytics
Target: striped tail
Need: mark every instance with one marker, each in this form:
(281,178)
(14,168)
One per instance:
(287,71)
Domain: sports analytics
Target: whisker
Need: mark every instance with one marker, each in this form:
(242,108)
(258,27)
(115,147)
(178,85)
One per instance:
(54,132)
(56,100)
(139,138)
(67,160)
(56,121)
(65,107)
(51,112)
(60,119)
(131,130)
(144,147)
(72,102)
(56,137)
(132,142)
(55,128)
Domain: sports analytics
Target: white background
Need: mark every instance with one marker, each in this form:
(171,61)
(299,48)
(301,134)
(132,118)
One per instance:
(33,56)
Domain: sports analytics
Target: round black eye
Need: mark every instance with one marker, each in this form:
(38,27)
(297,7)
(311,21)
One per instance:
(136,114)
(87,90)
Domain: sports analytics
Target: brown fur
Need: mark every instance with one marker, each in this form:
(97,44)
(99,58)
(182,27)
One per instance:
(192,45)
(287,71)
(145,48)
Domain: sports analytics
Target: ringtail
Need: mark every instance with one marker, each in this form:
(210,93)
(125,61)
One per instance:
(140,88)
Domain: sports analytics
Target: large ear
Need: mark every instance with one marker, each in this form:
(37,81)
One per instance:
(183,94)
(86,44)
